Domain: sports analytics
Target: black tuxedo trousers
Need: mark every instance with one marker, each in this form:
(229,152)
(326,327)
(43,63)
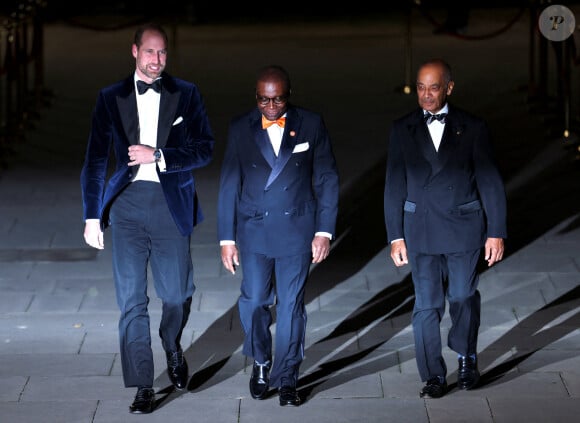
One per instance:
(145,234)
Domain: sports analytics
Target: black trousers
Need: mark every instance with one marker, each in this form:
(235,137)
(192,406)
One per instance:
(144,235)
(437,278)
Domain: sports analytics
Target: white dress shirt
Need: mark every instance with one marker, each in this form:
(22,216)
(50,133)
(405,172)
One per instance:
(275,134)
(148,109)
(436,128)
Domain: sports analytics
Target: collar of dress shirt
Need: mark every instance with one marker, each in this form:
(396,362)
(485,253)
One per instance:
(444,109)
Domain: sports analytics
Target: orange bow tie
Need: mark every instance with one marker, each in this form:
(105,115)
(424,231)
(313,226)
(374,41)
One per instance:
(267,123)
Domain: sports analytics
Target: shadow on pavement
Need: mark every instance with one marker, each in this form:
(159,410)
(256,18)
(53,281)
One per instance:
(545,196)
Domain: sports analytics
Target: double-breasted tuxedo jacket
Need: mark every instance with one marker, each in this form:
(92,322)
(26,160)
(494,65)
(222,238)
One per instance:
(274,205)
(443,201)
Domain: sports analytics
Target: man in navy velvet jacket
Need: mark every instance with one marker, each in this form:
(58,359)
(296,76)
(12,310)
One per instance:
(157,128)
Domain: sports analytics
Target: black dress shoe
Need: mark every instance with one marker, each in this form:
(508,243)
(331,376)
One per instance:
(288,396)
(467,373)
(260,380)
(177,369)
(434,388)
(144,401)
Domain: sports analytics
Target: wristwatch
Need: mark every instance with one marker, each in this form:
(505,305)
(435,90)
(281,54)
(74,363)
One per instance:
(157,155)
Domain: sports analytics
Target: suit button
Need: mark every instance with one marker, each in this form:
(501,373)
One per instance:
(266,213)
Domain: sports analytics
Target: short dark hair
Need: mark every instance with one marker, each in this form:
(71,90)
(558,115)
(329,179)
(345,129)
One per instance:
(275,73)
(150,26)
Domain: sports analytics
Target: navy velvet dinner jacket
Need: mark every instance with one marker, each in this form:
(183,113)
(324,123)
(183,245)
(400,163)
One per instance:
(184,135)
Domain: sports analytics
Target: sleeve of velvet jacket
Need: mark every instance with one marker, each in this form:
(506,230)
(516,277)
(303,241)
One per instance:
(94,171)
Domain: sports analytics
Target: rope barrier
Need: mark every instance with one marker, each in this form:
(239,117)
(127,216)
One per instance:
(425,12)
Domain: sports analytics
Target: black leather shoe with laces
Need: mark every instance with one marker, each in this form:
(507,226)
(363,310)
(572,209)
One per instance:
(467,373)
(177,369)
(289,396)
(260,380)
(144,401)
(434,388)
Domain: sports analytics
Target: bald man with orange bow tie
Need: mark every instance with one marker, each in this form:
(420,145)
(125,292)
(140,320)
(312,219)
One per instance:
(277,208)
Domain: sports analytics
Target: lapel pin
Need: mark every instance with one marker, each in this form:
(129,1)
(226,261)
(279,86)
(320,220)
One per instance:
(292,133)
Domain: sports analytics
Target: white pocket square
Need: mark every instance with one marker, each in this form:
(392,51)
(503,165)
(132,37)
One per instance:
(299,148)
(178,121)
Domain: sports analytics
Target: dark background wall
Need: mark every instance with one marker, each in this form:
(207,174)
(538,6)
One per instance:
(206,11)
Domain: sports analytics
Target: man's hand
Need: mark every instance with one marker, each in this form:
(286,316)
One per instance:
(399,253)
(141,154)
(494,248)
(93,234)
(320,248)
(230,257)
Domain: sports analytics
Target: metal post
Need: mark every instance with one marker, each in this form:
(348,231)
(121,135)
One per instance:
(408,52)
(38,59)
(532,87)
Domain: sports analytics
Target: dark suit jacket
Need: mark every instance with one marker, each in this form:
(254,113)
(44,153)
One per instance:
(184,135)
(446,201)
(272,205)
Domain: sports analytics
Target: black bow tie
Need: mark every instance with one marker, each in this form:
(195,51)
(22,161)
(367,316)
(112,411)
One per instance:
(143,86)
(430,117)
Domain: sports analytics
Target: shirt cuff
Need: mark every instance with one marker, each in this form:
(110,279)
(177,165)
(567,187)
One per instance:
(326,234)
(161,163)
(227,242)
